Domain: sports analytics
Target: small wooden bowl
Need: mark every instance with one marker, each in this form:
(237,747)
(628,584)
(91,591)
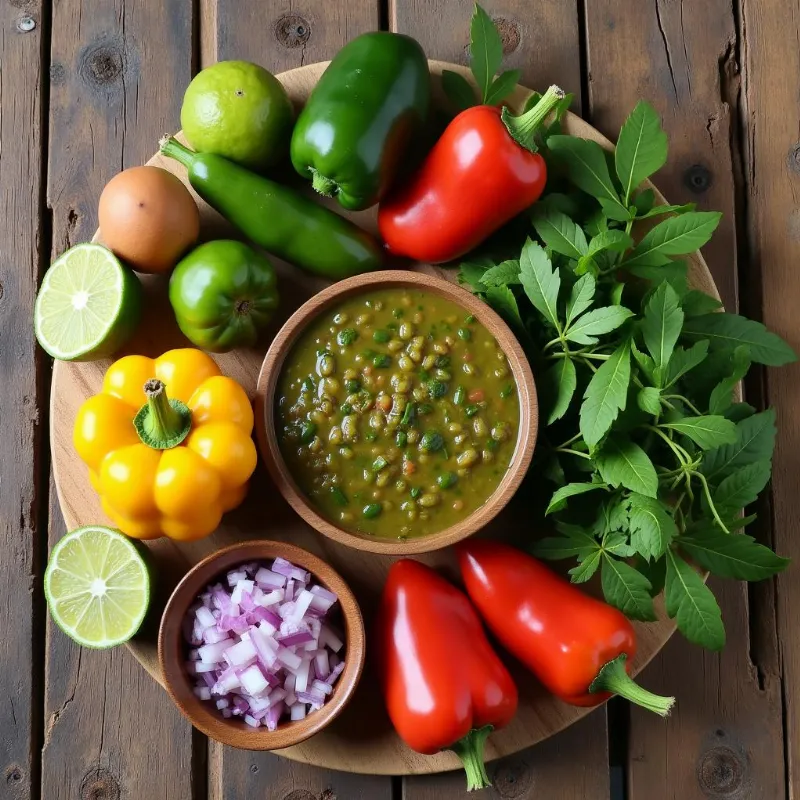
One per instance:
(332,296)
(172,648)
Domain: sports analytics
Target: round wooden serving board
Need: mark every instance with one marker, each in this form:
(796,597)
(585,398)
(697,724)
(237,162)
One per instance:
(362,739)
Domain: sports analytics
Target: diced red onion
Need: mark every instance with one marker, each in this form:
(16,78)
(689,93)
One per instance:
(263,651)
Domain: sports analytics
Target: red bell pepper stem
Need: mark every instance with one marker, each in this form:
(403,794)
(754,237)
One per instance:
(614,679)
(523,127)
(470,750)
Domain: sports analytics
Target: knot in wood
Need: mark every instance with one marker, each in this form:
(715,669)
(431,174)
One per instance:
(99,784)
(300,794)
(101,64)
(13,774)
(513,778)
(509,34)
(721,772)
(292,31)
(793,159)
(697,179)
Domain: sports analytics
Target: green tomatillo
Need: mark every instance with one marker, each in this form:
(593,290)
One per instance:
(223,294)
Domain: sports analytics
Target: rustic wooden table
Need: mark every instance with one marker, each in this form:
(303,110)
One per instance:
(86,88)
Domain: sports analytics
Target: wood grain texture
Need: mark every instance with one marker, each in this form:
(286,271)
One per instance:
(361,740)
(724,737)
(118,73)
(22,375)
(540,39)
(771,108)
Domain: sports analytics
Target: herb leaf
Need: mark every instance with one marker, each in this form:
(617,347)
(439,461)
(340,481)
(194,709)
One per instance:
(706,432)
(580,297)
(505,273)
(502,86)
(742,488)
(559,232)
(736,556)
(682,361)
(471,274)
(540,281)
(696,303)
(641,148)
(627,589)
(502,300)
(722,394)
(560,496)
(586,165)
(610,240)
(662,323)
(586,568)
(559,385)
(622,462)
(652,526)
(673,237)
(606,395)
(593,323)
(731,330)
(657,211)
(649,400)
(485,50)
(459,90)
(692,604)
(755,441)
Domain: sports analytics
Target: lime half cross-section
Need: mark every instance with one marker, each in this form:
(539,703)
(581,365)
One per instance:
(97,587)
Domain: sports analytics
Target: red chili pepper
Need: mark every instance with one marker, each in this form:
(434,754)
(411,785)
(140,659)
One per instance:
(445,688)
(483,171)
(576,645)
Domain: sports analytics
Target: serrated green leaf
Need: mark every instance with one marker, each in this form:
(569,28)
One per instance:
(459,90)
(586,165)
(559,384)
(674,236)
(647,365)
(504,274)
(569,204)
(696,303)
(739,411)
(743,487)
(587,328)
(706,432)
(616,543)
(559,232)
(540,281)
(730,330)
(682,361)
(502,300)
(655,572)
(586,568)
(736,555)
(485,50)
(597,223)
(657,211)
(673,271)
(610,240)
(722,394)
(502,86)
(606,395)
(471,274)
(755,441)
(641,148)
(649,400)
(662,322)
(560,496)
(580,297)
(557,548)
(652,526)
(626,589)
(692,604)
(644,201)
(622,462)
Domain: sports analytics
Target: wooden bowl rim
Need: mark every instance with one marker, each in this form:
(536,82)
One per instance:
(281,347)
(234,732)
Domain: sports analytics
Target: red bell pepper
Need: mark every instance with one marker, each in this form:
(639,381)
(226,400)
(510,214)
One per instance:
(579,647)
(445,688)
(482,172)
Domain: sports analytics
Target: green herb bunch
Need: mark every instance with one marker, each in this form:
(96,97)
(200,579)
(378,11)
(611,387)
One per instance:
(651,453)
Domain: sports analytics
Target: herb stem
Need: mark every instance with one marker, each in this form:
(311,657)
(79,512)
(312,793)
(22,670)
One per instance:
(711,505)
(570,440)
(572,452)
(685,401)
(676,448)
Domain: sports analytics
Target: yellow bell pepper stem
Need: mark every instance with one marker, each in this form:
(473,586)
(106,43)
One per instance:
(162,423)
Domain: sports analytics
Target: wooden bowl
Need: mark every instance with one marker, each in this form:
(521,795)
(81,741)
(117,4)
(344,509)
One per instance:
(172,648)
(265,410)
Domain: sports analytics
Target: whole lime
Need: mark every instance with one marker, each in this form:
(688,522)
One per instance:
(240,111)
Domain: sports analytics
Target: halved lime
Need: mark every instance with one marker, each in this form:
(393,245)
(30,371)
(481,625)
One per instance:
(97,586)
(88,305)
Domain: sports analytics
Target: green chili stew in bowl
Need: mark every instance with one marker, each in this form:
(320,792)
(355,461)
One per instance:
(399,412)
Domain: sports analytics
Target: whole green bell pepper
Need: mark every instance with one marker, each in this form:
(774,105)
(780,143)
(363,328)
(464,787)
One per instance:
(223,294)
(362,115)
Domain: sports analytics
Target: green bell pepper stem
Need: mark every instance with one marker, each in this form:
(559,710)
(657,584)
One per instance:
(172,148)
(523,127)
(162,423)
(321,184)
(614,678)
(470,751)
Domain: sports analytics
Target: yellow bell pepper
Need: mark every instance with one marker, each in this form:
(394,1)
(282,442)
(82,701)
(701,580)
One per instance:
(168,444)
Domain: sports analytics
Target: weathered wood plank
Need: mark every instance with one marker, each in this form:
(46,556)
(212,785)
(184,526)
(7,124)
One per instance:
(542,41)
(280,36)
(771,108)
(22,397)
(724,737)
(117,78)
